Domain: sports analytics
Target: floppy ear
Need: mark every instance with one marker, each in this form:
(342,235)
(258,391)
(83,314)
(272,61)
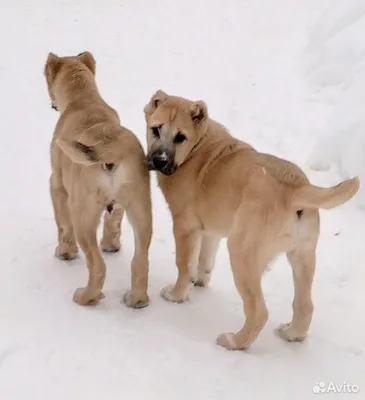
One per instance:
(199,111)
(156,100)
(78,152)
(88,59)
(52,67)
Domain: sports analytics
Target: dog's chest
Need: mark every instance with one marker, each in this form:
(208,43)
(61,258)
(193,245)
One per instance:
(110,183)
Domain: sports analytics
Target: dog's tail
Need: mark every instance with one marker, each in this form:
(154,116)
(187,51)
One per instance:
(99,144)
(310,196)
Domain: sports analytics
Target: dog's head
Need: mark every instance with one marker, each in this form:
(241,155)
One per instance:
(174,126)
(56,68)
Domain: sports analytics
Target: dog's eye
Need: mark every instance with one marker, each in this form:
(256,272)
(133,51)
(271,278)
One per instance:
(156,131)
(179,138)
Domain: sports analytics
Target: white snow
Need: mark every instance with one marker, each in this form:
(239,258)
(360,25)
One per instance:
(335,67)
(279,74)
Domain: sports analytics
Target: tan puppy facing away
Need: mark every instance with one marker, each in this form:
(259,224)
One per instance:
(96,165)
(217,186)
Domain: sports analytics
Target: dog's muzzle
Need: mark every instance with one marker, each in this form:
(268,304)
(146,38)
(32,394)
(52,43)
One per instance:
(161,161)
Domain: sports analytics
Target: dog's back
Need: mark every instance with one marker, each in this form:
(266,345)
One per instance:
(97,165)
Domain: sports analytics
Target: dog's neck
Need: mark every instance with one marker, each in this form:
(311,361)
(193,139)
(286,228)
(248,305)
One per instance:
(209,136)
(79,89)
(215,142)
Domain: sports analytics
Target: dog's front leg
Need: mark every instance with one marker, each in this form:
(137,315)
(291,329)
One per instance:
(86,218)
(208,253)
(188,244)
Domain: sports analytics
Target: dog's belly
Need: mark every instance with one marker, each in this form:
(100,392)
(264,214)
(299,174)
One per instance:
(219,227)
(217,205)
(217,219)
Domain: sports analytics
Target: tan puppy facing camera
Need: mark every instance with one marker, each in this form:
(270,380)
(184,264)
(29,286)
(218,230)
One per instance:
(97,165)
(217,186)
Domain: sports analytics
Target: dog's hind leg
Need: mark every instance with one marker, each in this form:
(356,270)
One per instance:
(86,218)
(67,247)
(247,268)
(250,251)
(110,243)
(207,256)
(139,214)
(303,265)
(303,262)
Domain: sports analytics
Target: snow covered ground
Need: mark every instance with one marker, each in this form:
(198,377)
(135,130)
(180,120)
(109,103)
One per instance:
(254,62)
(335,66)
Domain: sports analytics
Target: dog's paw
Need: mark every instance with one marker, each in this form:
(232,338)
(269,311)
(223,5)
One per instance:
(110,249)
(228,341)
(110,246)
(203,280)
(85,297)
(169,293)
(286,332)
(135,301)
(66,255)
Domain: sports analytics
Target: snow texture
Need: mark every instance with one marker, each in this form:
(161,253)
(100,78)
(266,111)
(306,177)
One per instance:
(278,74)
(335,66)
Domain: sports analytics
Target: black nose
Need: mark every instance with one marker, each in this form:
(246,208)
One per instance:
(160,162)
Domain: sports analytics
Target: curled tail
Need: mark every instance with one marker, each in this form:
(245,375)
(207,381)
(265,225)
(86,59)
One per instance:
(97,145)
(310,196)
